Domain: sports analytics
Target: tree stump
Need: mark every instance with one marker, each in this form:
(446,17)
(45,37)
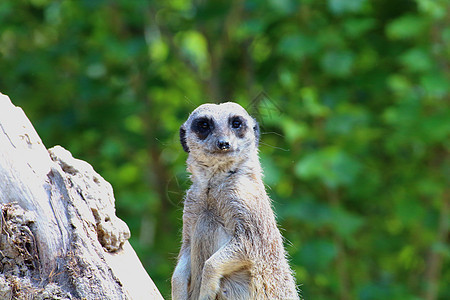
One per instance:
(60,237)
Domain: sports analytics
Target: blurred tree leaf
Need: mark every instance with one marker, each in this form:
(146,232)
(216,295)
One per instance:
(331,166)
(338,63)
(356,27)
(416,59)
(298,46)
(342,6)
(345,223)
(317,255)
(408,26)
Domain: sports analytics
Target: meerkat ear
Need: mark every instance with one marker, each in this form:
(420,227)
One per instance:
(183,139)
(257,132)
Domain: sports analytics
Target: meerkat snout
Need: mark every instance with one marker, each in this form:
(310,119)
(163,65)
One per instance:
(223,145)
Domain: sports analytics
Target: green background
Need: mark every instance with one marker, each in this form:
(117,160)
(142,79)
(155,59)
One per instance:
(352,98)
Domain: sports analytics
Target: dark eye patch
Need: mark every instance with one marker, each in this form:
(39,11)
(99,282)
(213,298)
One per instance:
(202,127)
(239,125)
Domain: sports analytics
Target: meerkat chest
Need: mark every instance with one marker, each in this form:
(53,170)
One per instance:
(212,215)
(209,233)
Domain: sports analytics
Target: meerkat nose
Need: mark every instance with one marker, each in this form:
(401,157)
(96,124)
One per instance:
(223,145)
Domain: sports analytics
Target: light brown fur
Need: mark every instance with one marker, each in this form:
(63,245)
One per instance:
(231,246)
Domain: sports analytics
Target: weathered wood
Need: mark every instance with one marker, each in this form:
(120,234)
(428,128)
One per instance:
(60,237)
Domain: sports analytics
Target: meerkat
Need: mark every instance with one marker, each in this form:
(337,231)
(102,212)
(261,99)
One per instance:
(231,245)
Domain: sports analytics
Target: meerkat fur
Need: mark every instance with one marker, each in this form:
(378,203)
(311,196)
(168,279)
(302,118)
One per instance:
(231,245)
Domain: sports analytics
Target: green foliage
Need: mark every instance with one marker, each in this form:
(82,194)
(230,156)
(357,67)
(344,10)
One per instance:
(352,98)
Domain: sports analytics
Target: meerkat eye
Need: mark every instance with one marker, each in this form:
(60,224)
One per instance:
(203,125)
(236,123)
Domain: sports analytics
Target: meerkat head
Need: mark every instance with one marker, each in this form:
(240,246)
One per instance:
(216,133)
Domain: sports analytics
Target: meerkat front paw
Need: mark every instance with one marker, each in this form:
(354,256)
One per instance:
(210,283)
(207,295)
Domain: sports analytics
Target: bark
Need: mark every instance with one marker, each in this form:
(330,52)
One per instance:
(60,237)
